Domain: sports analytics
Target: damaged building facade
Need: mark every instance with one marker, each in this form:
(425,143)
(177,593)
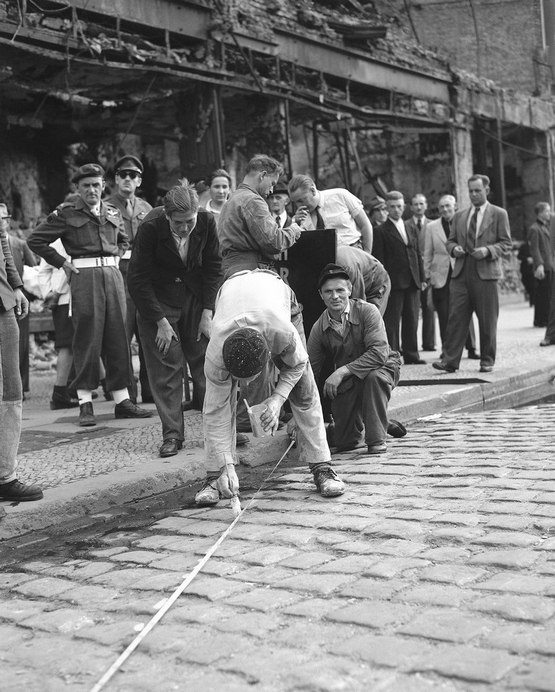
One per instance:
(368,95)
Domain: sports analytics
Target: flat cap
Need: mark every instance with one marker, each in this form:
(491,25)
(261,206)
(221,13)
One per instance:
(128,163)
(377,203)
(88,170)
(332,271)
(245,352)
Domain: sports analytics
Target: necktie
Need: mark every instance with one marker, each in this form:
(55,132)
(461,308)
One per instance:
(129,207)
(419,225)
(319,220)
(471,241)
(278,220)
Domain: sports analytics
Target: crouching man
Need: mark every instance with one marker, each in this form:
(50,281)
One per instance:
(251,324)
(351,333)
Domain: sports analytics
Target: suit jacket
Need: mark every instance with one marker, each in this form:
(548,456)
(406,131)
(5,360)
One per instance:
(436,258)
(9,278)
(539,242)
(421,235)
(157,273)
(403,262)
(494,233)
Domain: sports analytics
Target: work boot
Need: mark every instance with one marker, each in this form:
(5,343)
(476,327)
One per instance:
(328,482)
(127,409)
(209,494)
(62,399)
(86,415)
(16,491)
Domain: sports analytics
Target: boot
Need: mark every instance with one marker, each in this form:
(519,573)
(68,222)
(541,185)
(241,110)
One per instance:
(62,399)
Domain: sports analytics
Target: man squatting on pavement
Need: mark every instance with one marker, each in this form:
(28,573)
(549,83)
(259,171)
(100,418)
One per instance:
(352,334)
(251,324)
(92,235)
(13,306)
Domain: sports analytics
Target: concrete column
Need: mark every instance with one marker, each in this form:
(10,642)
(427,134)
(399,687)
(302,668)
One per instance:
(461,147)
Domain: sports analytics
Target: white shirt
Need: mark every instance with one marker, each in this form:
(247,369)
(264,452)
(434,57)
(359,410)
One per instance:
(400,226)
(338,207)
(481,212)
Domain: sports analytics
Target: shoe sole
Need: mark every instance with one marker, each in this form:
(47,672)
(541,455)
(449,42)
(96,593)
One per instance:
(87,424)
(200,503)
(332,494)
(28,498)
(122,416)
(377,451)
(168,454)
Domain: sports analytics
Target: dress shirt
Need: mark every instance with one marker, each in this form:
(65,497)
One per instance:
(400,226)
(337,208)
(339,325)
(182,245)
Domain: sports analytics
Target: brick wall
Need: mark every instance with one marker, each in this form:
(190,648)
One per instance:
(501,41)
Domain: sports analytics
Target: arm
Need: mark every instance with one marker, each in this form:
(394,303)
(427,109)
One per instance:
(212,276)
(21,302)
(28,257)
(453,246)
(44,234)
(365,228)
(379,246)
(375,343)
(503,243)
(264,229)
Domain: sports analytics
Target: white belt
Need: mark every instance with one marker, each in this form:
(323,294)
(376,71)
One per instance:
(85,262)
(126,255)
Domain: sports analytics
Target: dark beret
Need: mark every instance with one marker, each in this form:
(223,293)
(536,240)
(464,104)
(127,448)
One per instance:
(89,170)
(129,163)
(332,271)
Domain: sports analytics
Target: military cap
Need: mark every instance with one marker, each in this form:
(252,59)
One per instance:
(332,271)
(128,163)
(88,170)
(377,203)
(245,352)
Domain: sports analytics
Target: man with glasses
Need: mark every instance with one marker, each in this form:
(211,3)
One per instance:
(133,209)
(92,235)
(13,306)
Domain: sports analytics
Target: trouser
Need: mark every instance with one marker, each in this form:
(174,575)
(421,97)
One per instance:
(132,330)
(219,442)
(428,320)
(402,311)
(550,331)
(98,314)
(166,371)
(11,395)
(542,300)
(441,305)
(361,407)
(469,293)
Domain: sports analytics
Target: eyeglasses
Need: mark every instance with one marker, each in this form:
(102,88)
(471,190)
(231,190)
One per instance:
(128,174)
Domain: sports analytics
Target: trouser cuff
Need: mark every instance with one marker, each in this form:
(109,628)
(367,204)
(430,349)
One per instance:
(320,465)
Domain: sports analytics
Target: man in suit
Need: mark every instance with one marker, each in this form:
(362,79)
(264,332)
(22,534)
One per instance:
(396,246)
(438,268)
(278,200)
(173,277)
(419,221)
(133,209)
(479,238)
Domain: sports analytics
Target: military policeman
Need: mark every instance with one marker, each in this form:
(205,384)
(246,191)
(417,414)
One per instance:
(92,235)
(128,177)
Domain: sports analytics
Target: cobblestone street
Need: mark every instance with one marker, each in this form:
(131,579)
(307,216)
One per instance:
(435,571)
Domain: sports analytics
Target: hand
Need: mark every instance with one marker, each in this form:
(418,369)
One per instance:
(270,416)
(228,483)
(21,304)
(69,269)
(480,253)
(164,335)
(540,273)
(423,285)
(205,324)
(51,300)
(300,215)
(333,382)
(458,251)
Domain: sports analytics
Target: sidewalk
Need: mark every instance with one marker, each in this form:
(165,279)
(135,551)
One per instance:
(87,472)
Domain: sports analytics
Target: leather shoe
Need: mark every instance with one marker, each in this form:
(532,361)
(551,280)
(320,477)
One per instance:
(127,409)
(86,415)
(418,361)
(547,342)
(380,448)
(20,492)
(440,365)
(396,429)
(170,447)
(486,368)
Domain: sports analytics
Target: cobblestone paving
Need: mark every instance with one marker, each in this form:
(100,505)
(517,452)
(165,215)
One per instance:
(435,571)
